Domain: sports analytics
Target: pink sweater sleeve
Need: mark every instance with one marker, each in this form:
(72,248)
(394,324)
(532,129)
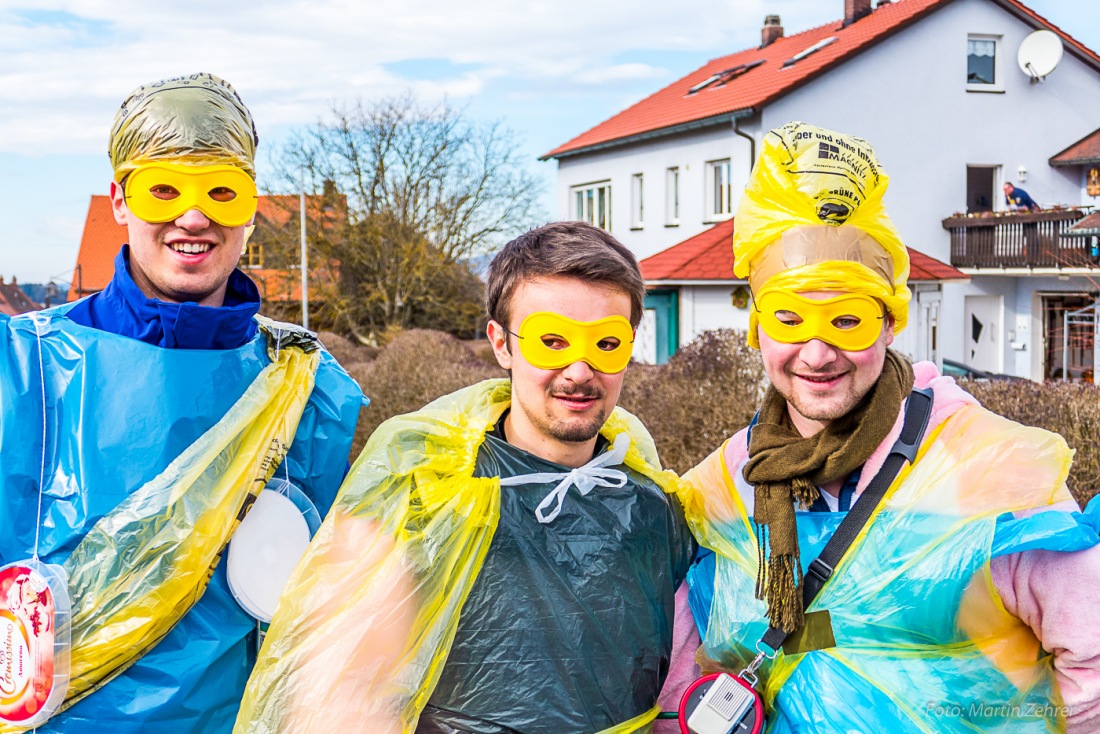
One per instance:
(682,670)
(1058,596)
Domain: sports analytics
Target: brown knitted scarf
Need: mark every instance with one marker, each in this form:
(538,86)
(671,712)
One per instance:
(786,468)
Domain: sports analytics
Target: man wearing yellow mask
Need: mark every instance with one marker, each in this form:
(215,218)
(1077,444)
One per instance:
(505,559)
(139,424)
(892,556)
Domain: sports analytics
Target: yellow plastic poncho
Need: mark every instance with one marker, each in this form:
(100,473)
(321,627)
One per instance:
(367,620)
(812,218)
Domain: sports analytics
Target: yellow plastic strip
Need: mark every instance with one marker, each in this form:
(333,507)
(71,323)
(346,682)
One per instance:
(638,723)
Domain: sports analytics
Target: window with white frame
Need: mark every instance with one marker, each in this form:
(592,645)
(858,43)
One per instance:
(637,202)
(719,190)
(983,63)
(672,197)
(592,204)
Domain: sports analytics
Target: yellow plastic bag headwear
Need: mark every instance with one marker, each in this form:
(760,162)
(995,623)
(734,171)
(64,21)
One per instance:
(197,119)
(812,219)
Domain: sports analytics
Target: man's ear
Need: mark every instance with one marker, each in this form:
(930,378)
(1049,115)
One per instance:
(889,326)
(498,338)
(118,203)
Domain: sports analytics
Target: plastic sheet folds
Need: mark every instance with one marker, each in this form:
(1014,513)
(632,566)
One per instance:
(362,633)
(922,641)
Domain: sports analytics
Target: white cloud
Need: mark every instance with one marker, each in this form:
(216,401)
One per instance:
(77,59)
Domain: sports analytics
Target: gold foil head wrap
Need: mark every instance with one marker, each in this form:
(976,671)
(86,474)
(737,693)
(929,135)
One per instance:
(197,119)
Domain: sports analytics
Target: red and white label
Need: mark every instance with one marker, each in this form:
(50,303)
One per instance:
(27,614)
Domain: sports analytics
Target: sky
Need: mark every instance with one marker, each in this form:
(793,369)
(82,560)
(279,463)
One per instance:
(546,69)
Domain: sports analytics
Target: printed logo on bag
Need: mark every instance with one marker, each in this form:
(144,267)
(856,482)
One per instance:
(26,643)
(833,212)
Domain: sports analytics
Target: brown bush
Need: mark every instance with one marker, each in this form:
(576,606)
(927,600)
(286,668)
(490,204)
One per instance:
(346,351)
(708,391)
(1071,409)
(416,367)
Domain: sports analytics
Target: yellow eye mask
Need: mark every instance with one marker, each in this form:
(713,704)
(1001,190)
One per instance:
(162,192)
(851,322)
(550,341)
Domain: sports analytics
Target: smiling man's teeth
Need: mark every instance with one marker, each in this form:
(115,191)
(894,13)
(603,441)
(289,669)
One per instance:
(190,248)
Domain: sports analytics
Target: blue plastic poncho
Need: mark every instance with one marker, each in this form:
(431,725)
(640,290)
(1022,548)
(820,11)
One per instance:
(118,412)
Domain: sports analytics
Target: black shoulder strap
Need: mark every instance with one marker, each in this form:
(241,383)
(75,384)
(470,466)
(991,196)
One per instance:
(918,409)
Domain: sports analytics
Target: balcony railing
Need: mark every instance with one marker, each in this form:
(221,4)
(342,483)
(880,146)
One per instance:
(1010,240)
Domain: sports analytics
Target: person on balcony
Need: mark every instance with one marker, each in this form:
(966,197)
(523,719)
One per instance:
(1019,200)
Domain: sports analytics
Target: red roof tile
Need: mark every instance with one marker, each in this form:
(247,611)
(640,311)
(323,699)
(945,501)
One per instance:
(753,88)
(926,268)
(1088,226)
(13,301)
(1085,150)
(709,256)
(102,239)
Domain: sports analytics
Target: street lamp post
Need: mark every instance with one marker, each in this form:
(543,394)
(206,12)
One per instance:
(305,264)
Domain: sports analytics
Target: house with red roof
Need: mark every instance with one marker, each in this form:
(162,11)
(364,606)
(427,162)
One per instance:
(956,105)
(278,281)
(13,301)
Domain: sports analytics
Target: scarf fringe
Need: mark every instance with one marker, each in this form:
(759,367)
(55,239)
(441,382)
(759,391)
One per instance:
(784,602)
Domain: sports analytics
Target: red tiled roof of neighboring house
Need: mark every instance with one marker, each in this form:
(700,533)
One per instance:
(103,238)
(101,241)
(751,85)
(1084,151)
(1087,227)
(279,208)
(13,301)
(709,256)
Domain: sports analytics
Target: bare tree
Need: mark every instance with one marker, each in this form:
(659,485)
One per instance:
(414,195)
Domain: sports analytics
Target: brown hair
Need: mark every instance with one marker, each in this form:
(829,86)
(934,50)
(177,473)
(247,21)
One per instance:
(569,249)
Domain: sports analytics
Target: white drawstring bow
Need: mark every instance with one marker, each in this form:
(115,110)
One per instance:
(585,478)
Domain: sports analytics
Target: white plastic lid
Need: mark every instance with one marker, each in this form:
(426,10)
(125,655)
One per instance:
(264,551)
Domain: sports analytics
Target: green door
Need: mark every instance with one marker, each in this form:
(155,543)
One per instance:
(665,304)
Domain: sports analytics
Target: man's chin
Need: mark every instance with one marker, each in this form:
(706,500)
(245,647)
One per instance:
(821,409)
(576,431)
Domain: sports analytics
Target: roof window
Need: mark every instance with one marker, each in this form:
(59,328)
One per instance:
(725,77)
(811,50)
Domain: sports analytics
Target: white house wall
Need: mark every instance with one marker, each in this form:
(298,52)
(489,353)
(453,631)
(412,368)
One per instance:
(908,97)
(689,152)
(707,307)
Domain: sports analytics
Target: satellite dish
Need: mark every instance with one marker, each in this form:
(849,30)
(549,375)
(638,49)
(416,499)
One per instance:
(1039,54)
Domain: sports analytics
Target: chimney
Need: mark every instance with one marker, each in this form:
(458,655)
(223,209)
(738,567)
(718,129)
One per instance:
(772,30)
(855,9)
